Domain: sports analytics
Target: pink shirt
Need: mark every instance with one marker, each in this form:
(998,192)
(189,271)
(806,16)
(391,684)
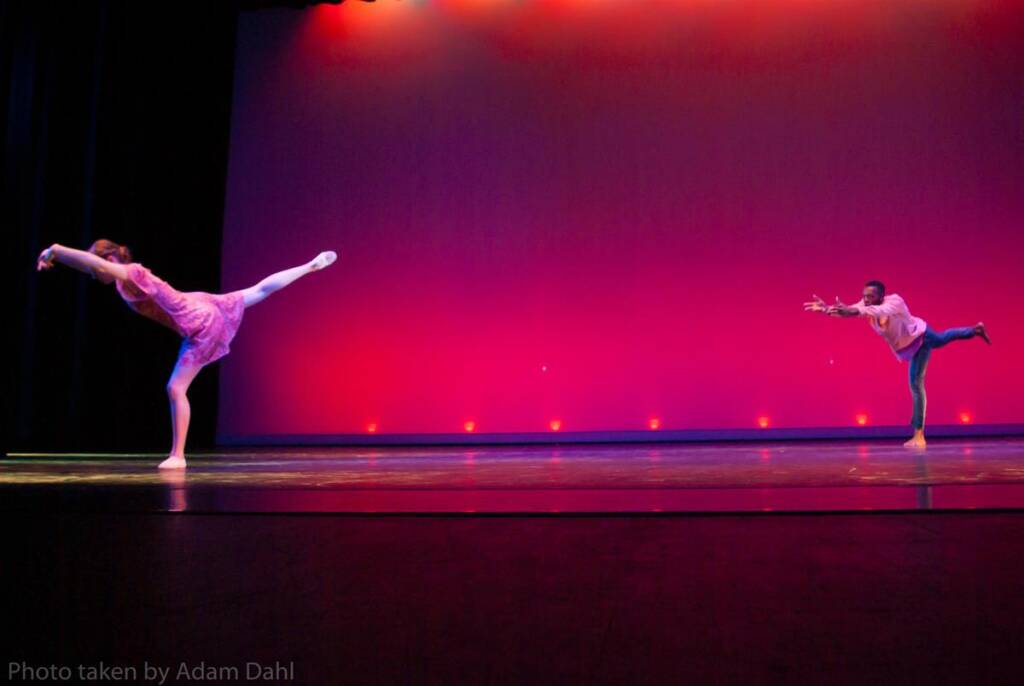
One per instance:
(893,322)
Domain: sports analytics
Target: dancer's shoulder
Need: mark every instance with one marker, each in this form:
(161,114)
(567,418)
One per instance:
(139,270)
(141,278)
(896,301)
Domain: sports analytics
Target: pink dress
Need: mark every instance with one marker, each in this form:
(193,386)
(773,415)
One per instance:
(206,321)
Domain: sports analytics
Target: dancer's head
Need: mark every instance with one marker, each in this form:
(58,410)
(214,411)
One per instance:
(112,252)
(874,292)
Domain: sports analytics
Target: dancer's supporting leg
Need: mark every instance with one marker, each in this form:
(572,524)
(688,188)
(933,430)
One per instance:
(276,282)
(919,365)
(177,393)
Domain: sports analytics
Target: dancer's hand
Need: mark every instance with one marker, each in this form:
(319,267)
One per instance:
(836,310)
(816,305)
(46,258)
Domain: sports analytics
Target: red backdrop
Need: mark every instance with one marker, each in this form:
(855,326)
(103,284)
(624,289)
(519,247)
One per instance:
(607,212)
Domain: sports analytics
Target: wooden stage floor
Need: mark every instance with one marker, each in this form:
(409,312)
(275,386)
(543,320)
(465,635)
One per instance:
(795,476)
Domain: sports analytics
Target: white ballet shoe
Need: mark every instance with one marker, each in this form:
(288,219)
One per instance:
(172,462)
(324,259)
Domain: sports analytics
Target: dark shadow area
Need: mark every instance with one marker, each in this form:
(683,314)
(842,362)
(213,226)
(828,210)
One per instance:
(827,599)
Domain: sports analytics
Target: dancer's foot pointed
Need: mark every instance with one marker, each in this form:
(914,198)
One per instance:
(979,330)
(172,462)
(323,260)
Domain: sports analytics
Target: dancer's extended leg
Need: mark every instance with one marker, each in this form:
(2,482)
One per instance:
(276,282)
(177,393)
(961,333)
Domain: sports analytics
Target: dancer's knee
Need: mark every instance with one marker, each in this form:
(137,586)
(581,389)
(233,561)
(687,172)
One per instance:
(177,391)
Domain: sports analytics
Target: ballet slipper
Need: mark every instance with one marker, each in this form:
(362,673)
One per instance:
(172,462)
(323,260)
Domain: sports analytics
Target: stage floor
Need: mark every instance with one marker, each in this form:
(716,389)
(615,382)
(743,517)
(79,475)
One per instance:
(962,474)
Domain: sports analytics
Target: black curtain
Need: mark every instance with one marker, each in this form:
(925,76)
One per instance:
(116,126)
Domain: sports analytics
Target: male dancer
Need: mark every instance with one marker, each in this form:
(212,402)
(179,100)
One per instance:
(909,337)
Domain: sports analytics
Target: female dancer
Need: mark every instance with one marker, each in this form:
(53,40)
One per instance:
(207,322)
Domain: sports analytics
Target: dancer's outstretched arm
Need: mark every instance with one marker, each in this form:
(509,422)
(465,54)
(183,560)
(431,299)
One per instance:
(81,260)
(836,310)
(839,309)
(893,304)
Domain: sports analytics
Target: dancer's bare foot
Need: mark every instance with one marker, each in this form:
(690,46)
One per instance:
(917,443)
(324,259)
(979,330)
(172,462)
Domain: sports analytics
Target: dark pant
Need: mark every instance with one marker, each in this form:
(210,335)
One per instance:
(919,365)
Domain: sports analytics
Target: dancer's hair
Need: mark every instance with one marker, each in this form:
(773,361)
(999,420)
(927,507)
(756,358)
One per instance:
(104,248)
(877,285)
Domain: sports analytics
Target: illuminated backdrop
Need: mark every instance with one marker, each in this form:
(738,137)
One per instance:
(606,212)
